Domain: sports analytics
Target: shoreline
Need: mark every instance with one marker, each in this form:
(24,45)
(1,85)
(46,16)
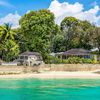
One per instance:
(54,75)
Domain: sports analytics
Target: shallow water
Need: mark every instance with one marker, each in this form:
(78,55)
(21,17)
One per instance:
(57,89)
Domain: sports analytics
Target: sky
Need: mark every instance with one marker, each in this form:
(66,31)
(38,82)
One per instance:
(12,10)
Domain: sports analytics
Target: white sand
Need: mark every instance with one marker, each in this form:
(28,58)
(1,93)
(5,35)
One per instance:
(55,75)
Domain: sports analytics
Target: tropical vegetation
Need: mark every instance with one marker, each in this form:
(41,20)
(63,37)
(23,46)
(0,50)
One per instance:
(39,32)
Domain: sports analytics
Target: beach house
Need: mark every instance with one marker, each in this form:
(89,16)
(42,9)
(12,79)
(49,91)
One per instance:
(82,53)
(30,59)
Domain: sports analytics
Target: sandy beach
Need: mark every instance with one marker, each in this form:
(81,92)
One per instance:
(54,75)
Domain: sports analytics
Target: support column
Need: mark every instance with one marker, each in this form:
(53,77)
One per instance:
(95,58)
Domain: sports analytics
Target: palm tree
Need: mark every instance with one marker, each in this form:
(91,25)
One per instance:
(10,50)
(6,32)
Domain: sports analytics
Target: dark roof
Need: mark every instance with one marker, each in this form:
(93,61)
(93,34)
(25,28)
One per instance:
(77,52)
(30,53)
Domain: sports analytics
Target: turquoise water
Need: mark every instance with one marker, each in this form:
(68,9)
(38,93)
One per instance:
(35,89)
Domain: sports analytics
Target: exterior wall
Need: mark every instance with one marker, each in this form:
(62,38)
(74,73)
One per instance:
(30,61)
(72,67)
(48,67)
(17,69)
(33,57)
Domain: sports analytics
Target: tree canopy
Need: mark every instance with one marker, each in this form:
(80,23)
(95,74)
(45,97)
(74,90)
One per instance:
(39,33)
(9,50)
(38,28)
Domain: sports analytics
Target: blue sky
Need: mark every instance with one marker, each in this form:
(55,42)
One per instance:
(22,6)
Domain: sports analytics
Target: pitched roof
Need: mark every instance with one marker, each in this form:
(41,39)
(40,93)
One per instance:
(30,53)
(77,52)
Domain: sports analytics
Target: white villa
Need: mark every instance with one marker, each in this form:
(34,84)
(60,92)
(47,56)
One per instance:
(30,59)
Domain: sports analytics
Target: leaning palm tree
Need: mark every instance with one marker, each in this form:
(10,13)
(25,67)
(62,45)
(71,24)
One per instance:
(6,32)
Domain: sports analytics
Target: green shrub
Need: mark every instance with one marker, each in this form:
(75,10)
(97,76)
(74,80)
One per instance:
(78,60)
(53,60)
(70,60)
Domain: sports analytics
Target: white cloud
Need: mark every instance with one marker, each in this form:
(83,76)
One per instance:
(62,10)
(4,3)
(12,19)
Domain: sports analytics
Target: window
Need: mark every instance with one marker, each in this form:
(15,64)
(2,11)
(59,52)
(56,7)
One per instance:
(26,57)
(64,56)
(58,56)
(87,56)
(21,57)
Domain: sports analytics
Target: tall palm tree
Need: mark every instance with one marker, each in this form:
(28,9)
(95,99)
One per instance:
(6,32)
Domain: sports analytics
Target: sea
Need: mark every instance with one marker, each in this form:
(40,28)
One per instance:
(49,89)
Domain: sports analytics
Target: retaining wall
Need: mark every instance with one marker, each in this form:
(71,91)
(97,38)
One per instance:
(49,67)
(72,67)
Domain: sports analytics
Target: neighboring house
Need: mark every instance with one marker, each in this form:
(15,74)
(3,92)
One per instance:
(82,53)
(30,59)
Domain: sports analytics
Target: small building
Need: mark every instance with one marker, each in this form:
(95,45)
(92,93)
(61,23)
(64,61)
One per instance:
(30,59)
(82,53)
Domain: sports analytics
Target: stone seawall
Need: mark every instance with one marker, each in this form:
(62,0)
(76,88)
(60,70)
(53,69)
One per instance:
(17,69)
(72,67)
(48,67)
